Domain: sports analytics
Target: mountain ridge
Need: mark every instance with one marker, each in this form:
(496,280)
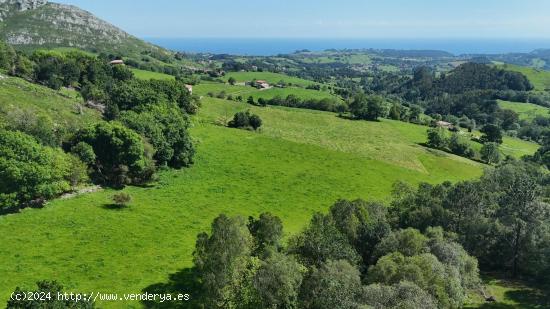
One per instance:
(32,24)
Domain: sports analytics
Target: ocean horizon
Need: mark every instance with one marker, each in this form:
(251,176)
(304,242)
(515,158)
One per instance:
(275,46)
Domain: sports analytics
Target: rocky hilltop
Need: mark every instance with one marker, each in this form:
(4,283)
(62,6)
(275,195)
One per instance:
(39,23)
(10,7)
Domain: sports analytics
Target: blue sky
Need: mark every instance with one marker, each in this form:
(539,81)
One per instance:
(326,18)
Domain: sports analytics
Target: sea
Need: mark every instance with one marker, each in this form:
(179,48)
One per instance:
(276,46)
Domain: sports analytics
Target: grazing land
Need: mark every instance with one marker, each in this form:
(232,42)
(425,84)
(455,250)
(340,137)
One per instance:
(539,78)
(142,74)
(269,77)
(299,163)
(246,91)
(63,106)
(526,111)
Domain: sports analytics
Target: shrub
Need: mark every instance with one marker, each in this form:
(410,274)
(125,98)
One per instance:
(122,199)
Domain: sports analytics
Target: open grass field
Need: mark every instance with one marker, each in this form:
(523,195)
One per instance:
(301,162)
(539,78)
(295,166)
(509,294)
(142,74)
(245,91)
(526,111)
(18,94)
(270,77)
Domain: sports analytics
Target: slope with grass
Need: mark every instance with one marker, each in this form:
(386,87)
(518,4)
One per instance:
(526,111)
(270,77)
(64,106)
(539,78)
(205,88)
(301,162)
(146,75)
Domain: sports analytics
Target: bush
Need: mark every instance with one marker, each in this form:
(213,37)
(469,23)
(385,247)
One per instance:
(122,199)
(245,120)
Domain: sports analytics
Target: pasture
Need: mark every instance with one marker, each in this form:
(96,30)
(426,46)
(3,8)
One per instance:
(526,111)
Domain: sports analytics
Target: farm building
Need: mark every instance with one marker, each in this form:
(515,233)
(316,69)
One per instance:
(445,124)
(189,88)
(117,62)
(262,84)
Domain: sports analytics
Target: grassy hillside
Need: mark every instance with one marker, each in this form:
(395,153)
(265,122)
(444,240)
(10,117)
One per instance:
(539,78)
(246,91)
(271,78)
(526,111)
(142,74)
(301,162)
(62,106)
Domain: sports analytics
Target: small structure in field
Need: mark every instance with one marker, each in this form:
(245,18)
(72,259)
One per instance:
(445,125)
(117,62)
(262,84)
(189,88)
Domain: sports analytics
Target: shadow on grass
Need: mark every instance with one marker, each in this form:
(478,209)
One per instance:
(530,299)
(525,299)
(114,207)
(184,281)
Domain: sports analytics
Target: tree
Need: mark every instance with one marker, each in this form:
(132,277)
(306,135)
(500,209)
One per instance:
(402,295)
(522,214)
(490,153)
(232,81)
(426,271)
(165,127)
(335,284)
(223,261)
(255,121)
(408,242)
(437,138)
(375,107)
(31,173)
(491,134)
(364,224)
(245,120)
(367,107)
(278,281)
(267,231)
(250,100)
(120,154)
(322,241)
(262,102)
(460,146)
(48,298)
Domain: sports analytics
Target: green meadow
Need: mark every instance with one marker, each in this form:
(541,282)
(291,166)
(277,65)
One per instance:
(64,107)
(539,78)
(142,74)
(526,111)
(300,162)
(270,77)
(245,91)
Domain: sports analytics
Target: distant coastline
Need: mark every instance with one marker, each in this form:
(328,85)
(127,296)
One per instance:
(275,46)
